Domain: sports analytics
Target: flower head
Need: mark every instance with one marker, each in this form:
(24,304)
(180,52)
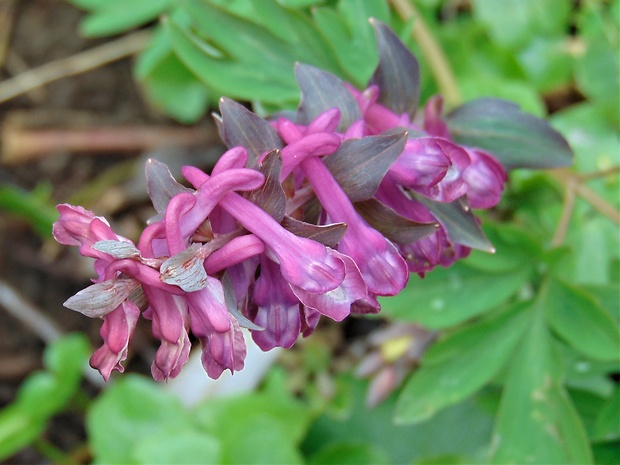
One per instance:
(302,217)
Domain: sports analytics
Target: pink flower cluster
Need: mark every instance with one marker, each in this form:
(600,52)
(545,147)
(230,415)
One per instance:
(274,243)
(316,215)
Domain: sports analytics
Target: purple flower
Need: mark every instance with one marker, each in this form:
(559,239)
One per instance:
(383,270)
(303,262)
(485,177)
(276,308)
(426,253)
(381,266)
(170,317)
(433,167)
(117,332)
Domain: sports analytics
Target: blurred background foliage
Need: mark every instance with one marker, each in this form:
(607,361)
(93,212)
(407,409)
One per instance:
(523,363)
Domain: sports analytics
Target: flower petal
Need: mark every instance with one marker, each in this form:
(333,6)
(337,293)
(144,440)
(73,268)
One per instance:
(277,309)
(336,303)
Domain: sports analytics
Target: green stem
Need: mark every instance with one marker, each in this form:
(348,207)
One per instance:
(53,453)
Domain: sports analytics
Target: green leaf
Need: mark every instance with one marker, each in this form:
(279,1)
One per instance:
(130,411)
(349,33)
(593,137)
(349,454)
(607,424)
(297,30)
(116,16)
(18,429)
(300,3)
(547,63)
(606,453)
(256,428)
(334,28)
(43,394)
(240,39)
(183,447)
(536,421)
(588,375)
(169,85)
(89,4)
(235,79)
(512,23)
(579,320)
(47,392)
(173,89)
(607,297)
(444,434)
(448,296)
(34,206)
(598,66)
(516,139)
(456,367)
(515,248)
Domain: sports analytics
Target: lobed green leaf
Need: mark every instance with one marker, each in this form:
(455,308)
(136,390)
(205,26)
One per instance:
(448,296)
(584,324)
(456,367)
(235,79)
(133,410)
(536,421)
(607,426)
(115,16)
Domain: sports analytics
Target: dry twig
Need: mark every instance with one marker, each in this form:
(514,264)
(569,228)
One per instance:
(7,7)
(23,144)
(574,185)
(75,64)
(437,61)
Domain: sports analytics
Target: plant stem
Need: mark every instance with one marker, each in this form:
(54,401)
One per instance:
(575,185)
(567,212)
(24,144)
(600,174)
(52,452)
(7,9)
(436,58)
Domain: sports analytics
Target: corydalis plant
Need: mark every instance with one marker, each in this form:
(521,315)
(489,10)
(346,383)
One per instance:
(316,214)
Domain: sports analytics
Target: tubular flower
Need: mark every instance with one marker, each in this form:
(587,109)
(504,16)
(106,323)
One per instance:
(434,167)
(302,217)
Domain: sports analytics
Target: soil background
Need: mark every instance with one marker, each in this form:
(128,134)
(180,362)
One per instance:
(35,267)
